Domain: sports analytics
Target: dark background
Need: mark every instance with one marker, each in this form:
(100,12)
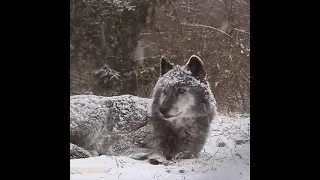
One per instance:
(115,46)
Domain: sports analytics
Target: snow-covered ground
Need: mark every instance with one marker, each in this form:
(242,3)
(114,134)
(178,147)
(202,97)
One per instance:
(226,156)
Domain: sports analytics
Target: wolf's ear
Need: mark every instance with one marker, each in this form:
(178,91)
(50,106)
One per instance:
(165,66)
(195,65)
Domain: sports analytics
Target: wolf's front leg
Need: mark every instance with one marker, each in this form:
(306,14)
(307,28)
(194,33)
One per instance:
(140,153)
(153,158)
(157,158)
(184,155)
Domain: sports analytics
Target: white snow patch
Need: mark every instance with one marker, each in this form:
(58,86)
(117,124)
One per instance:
(230,161)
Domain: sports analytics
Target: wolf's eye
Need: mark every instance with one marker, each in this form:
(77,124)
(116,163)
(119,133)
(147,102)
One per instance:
(181,91)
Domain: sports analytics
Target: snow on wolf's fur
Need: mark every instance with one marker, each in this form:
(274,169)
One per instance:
(181,75)
(182,109)
(120,125)
(107,124)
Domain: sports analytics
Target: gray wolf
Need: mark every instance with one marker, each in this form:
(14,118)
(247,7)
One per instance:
(175,122)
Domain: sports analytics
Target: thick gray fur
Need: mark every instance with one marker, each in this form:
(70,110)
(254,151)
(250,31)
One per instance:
(174,123)
(108,125)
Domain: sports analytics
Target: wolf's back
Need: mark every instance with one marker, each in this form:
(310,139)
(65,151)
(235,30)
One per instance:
(77,152)
(106,124)
(123,113)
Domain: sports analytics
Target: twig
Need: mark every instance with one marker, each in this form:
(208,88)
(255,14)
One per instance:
(222,3)
(220,158)
(120,161)
(225,155)
(209,158)
(74,76)
(116,161)
(232,155)
(202,163)
(241,70)
(75,93)
(176,157)
(205,26)
(212,155)
(245,32)
(79,82)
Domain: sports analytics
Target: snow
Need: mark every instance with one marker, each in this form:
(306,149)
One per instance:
(226,156)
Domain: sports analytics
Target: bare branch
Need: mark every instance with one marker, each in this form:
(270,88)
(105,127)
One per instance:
(75,93)
(81,78)
(245,32)
(205,26)
(222,3)
(79,82)
(104,44)
(241,70)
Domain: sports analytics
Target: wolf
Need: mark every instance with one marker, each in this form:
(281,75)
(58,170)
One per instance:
(107,125)
(174,123)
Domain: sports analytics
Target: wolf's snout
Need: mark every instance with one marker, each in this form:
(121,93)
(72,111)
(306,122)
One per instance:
(164,112)
(166,105)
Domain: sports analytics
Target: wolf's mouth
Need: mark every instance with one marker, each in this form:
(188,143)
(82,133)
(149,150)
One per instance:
(166,116)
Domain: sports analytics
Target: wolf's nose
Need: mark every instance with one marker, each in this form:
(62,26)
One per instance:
(163,110)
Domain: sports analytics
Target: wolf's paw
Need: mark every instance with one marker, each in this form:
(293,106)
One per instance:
(156,159)
(183,155)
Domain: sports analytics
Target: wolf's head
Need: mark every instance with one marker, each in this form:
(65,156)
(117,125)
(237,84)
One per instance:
(182,91)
